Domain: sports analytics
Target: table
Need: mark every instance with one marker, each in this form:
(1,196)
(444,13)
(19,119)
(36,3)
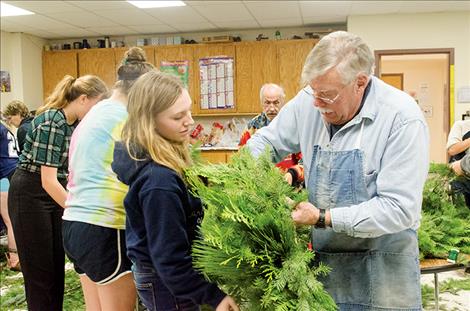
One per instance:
(437,266)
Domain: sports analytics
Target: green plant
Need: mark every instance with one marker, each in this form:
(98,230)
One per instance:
(249,244)
(445,222)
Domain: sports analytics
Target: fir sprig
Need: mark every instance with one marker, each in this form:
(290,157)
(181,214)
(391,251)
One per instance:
(249,244)
(445,219)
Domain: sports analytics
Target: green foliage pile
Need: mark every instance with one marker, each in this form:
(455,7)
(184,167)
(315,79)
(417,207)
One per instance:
(249,244)
(445,222)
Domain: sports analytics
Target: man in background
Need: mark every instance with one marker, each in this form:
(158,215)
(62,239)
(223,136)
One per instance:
(272,98)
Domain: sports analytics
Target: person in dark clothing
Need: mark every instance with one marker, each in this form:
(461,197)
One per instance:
(17,114)
(161,213)
(37,194)
(8,161)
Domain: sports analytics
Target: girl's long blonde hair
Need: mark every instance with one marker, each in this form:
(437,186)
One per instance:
(70,88)
(151,94)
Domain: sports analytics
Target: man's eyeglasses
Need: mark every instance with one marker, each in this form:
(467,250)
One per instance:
(330,101)
(275,103)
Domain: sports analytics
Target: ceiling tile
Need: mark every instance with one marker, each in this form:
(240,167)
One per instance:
(153,29)
(44,7)
(227,12)
(83,19)
(273,9)
(37,21)
(280,22)
(433,6)
(114,30)
(317,8)
(102,5)
(72,32)
(206,3)
(375,7)
(190,27)
(237,24)
(128,17)
(182,14)
(41,33)
(325,19)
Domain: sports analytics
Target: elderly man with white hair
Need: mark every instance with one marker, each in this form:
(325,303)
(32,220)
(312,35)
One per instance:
(365,148)
(272,98)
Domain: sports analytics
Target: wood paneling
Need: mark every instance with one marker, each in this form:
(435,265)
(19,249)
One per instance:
(99,62)
(214,156)
(178,53)
(256,64)
(55,65)
(211,50)
(291,56)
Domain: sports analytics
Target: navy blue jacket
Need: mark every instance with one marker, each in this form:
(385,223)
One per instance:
(161,223)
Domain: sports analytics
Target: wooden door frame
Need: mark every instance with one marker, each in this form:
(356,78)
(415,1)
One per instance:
(450,56)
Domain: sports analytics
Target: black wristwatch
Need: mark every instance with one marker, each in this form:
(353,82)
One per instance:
(321,224)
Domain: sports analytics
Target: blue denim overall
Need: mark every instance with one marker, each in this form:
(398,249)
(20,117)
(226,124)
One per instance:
(367,273)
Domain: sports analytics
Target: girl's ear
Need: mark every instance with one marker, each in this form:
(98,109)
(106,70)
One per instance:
(82,98)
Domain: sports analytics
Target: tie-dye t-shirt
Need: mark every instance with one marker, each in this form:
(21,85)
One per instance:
(95,195)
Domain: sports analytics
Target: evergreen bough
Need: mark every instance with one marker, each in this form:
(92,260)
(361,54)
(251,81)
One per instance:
(249,244)
(445,219)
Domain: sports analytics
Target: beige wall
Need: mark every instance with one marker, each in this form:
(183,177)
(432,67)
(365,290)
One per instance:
(21,55)
(426,77)
(419,31)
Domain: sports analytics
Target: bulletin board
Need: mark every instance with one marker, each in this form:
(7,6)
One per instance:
(216,82)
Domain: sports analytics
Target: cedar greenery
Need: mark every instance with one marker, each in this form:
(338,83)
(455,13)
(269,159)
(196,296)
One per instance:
(249,244)
(445,222)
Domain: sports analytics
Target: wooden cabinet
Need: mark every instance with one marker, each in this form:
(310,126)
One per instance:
(99,62)
(211,50)
(217,156)
(256,64)
(179,53)
(55,65)
(291,56)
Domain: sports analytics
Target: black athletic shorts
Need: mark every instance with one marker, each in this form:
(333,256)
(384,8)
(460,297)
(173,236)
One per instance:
(96,251)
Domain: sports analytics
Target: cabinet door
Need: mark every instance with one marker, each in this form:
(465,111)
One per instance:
(211,50)
(99,62)
(291,56)
(214,156)
(256,65)
(55,65)
(178,53)
(119,54)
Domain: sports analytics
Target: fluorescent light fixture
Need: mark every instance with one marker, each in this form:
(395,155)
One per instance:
(10,10)
(156,4)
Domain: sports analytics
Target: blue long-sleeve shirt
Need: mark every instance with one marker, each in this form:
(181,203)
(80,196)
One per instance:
(161,223)
(395,142)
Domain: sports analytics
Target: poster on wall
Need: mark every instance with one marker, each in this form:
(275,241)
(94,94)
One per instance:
(5,81)
(216,82)
(178,68)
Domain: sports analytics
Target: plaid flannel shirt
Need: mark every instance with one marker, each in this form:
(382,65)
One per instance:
(47,143)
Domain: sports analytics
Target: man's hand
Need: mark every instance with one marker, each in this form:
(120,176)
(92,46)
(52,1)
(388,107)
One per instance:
(305,214)
(227,304)
(456,168)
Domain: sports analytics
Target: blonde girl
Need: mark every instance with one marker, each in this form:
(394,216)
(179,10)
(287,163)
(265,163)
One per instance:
(162,215)
(37,190)
(94,220)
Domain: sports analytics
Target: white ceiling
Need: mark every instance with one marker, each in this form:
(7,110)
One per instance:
(68,19)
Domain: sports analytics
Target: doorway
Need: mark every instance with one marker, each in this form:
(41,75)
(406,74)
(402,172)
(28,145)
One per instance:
(425,74)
